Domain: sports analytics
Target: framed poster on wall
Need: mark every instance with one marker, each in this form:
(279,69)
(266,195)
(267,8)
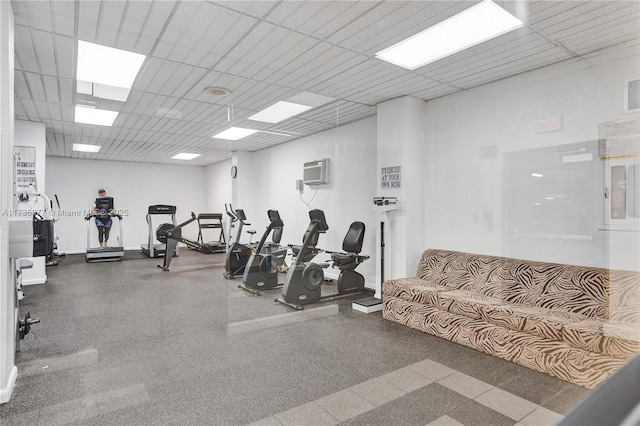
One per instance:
(24,158)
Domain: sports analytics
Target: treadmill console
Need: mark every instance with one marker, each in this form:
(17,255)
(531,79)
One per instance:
(162,209)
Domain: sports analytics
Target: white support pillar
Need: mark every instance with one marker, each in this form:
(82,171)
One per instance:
(34,135)
(243,185)
(8,370)
(400,170)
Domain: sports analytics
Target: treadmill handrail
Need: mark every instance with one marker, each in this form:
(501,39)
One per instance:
(93,215)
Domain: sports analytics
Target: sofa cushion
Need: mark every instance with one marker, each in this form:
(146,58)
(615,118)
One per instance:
(530,319)
(456,270)
(464,302)
(597,336)
(578,289)
(624,297)
(552,357)
(413,290)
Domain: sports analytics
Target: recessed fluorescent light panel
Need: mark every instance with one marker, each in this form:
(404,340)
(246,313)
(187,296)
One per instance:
(185,156)
(105,72)
(473,26)
(86,148)
(106,65)
(295,105)
(100,117)
(234,133)
(279,111)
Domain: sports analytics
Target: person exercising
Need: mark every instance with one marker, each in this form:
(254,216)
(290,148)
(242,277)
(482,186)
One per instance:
(103,220)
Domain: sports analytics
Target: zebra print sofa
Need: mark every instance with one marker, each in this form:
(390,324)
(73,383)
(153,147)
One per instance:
(577,323)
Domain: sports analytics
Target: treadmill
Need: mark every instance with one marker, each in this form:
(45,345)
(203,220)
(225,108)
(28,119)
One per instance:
(154,248)
(107,253)
(211,221)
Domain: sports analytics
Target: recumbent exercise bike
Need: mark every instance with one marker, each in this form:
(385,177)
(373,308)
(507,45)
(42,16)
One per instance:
(304,279)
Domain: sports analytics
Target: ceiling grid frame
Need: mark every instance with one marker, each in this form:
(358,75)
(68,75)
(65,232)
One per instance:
(335,59)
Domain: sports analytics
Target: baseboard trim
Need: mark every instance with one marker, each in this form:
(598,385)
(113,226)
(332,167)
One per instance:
(34,281)
(5,394)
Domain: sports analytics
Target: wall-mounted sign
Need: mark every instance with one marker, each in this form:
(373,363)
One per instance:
(390,177)
(25,168)
(550,123)
(619,138)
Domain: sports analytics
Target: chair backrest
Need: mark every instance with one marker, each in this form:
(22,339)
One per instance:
(352,242)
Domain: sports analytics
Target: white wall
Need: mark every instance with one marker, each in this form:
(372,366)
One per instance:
(134,186)
(464,192)
(217,186)
(269,182)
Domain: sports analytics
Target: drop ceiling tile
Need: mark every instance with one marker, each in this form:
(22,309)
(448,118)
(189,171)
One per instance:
(402,23)
(563,15)
(51,88)
(148,73)
(166,78)
(18,110)
(506,69)
(20,86)
(87,20)
(191,78)
(109,21)
(34,81)
(21,13)
(40,16)
(43,43)
(159,13)
(24,50)
(133,21)
(180,22)
(237,59)
(65,56)
(255,9)
(43,110)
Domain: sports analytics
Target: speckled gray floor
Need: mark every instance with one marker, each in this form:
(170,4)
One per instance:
(126,343)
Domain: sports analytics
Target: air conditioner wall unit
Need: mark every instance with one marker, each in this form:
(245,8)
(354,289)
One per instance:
(315,172)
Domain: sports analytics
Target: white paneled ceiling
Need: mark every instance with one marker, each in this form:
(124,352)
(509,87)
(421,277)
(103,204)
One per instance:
(266,51)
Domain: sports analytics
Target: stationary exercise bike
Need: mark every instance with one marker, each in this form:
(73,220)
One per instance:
(238,254)
(304,280)
(266,260)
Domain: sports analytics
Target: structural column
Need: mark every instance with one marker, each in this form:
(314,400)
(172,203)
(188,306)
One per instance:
(8,370)
(400,166)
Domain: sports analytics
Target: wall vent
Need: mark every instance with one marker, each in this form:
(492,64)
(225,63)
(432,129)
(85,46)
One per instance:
(632,95)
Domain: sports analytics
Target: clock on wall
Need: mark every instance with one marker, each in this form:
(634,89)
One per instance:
(234,172)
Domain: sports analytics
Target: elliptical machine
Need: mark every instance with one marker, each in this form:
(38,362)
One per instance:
(304,280)
(238,254)
(266,260)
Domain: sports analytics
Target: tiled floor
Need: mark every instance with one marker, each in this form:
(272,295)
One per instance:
(128,344)
(353,405)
